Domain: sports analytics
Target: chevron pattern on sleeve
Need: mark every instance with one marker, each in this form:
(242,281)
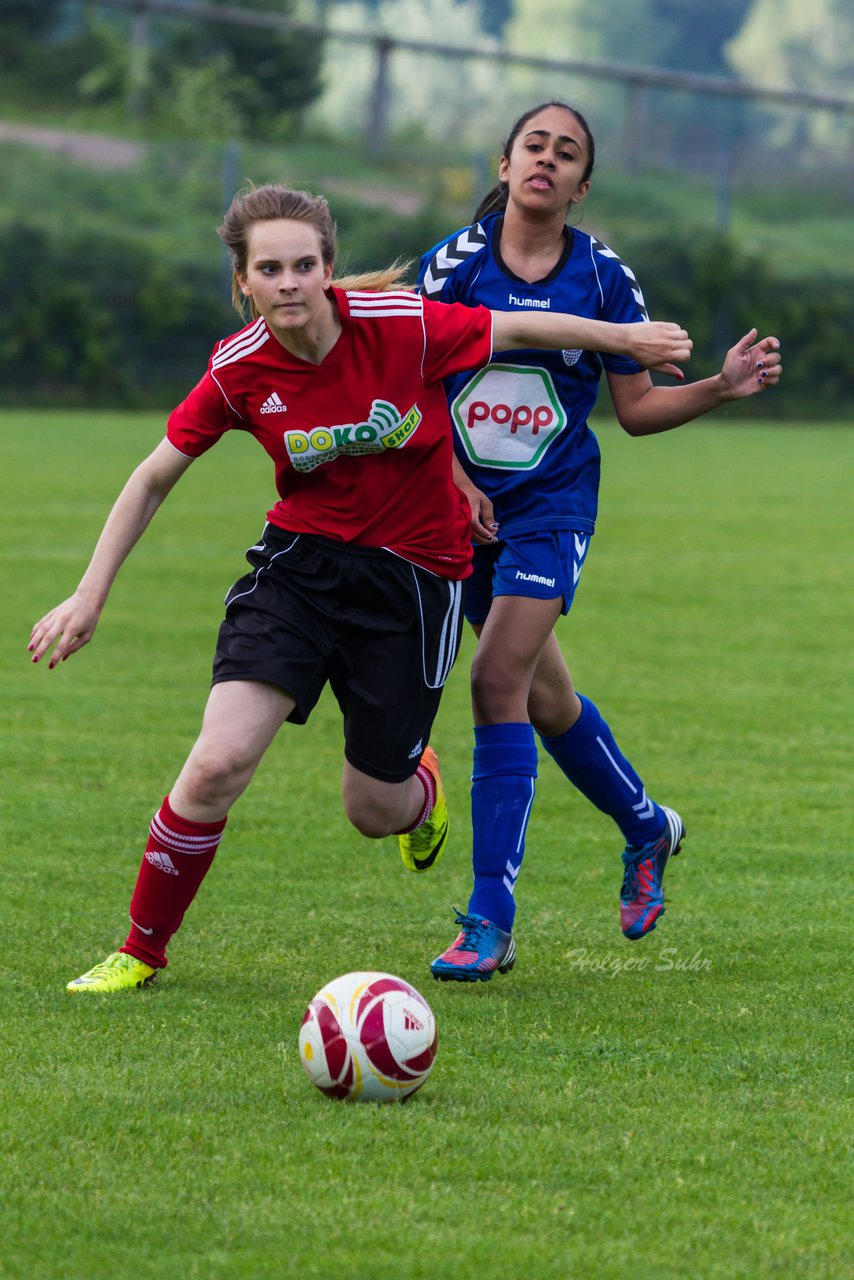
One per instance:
(470,241)
(599,247)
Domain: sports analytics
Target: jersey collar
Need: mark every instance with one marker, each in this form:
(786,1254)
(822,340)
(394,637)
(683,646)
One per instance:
(568,239)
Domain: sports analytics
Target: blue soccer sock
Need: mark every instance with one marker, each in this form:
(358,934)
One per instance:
(589,756)
(502,792)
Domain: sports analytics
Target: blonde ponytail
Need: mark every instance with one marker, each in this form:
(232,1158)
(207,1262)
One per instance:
(390,277)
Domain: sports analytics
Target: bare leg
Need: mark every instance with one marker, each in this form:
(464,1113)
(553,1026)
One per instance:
(378,808)
(507,656)
(553,704)
(241,719)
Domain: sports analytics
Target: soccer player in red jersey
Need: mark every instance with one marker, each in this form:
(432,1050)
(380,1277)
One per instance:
(356,578)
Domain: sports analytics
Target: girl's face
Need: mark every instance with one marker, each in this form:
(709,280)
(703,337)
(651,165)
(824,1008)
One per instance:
(545,168)
(286,276)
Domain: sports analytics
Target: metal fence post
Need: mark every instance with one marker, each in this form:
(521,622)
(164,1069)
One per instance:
(229,182)
(634,123)
(138,56)
(380,95)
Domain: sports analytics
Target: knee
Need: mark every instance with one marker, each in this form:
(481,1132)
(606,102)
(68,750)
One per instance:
(215,775)
(553,708)
(376,809)
(493,691)
(368,819)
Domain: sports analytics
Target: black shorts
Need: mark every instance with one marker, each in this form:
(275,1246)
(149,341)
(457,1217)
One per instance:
(383,632)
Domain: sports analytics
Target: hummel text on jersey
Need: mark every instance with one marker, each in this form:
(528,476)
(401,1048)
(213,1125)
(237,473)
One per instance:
(544,304)
(273,404)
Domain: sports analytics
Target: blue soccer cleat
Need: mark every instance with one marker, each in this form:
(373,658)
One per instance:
(478,950)
(641,897)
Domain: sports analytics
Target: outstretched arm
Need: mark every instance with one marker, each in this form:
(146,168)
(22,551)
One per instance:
(651,343)
(643,410)
(71,624)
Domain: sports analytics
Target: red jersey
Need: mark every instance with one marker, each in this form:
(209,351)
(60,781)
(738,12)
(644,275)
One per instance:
(362,442)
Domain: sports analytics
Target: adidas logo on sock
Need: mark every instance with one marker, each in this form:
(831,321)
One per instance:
(162,861)
(273,404)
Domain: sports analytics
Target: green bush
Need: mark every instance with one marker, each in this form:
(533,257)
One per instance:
(129,319)
(370,237)
(718,292)
(102,321)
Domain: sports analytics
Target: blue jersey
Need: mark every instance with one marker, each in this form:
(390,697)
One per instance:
(520,424)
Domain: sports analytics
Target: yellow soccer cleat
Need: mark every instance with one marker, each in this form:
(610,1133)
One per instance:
(421,848)
(119,972)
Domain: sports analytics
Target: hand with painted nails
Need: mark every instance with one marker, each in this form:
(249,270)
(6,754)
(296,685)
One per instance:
(67,628)
(751,366)
(484,527)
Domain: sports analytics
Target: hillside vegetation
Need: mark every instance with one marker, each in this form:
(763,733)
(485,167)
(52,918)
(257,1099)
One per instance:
(125,248)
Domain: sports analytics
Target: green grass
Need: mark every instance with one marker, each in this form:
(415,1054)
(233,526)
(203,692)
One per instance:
(675,1108)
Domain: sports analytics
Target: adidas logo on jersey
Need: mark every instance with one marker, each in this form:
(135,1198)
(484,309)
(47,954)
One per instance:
(273,405)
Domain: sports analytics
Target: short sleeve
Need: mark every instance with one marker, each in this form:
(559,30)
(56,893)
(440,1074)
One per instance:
(445,271)
(457,338)
(199,421)
(622,303)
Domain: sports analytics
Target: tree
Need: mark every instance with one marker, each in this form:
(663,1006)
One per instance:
(494,15)
(787,44)
(549,27)
(427,96)
(272,73)
(685,35)
(695,33)
(22,24)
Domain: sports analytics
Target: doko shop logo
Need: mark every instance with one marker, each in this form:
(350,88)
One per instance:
(508,415)
(385,428)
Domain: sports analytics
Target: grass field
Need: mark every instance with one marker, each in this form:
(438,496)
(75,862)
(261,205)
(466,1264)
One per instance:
(673,1108)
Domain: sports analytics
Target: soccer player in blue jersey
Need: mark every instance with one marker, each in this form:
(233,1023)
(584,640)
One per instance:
(529,464)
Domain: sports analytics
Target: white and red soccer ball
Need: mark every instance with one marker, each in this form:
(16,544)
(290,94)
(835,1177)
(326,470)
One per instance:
(368,1037)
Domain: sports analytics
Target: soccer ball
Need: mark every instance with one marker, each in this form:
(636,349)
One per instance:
(368,1037)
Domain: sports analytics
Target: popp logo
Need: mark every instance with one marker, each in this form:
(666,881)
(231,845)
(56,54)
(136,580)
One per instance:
(520,415)
(508,415)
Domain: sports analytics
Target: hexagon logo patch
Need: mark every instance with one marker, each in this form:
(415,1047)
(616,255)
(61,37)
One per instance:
(508,415)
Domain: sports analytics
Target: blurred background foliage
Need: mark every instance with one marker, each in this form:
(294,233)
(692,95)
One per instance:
(121,146)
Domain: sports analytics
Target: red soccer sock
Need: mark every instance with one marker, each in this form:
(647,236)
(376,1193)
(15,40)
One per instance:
(428,782)
(177,858)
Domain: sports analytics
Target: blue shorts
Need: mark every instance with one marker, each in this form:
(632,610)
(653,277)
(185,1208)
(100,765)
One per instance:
(541,566)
